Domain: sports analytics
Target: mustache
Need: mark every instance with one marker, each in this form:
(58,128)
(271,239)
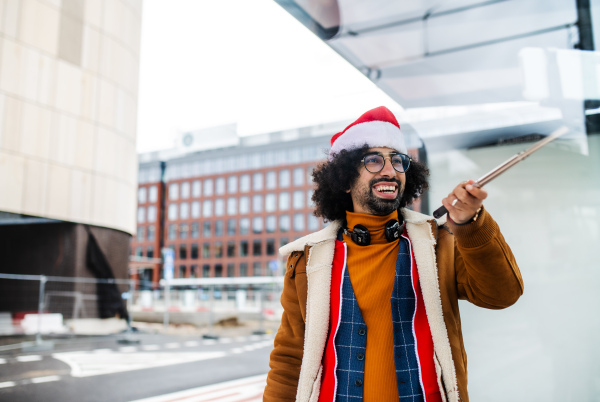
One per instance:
(375,181)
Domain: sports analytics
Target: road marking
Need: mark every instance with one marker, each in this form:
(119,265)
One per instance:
(2,361)
(240,339)
(103,351)
(225,340)
(85,364)
(30,358)
(150,347)
(209,342)
(49,378)
(248,389)
(173,345)
(128,349)
(237,350)
(255,338)
(7,384)
(191,343)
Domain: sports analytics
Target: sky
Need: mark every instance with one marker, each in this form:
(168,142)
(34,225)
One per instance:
(205,63)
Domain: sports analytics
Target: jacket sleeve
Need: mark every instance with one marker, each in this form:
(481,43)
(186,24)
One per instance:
(487,274)
(286,357)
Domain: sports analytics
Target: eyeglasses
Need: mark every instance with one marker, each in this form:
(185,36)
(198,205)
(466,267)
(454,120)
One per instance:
(375,162)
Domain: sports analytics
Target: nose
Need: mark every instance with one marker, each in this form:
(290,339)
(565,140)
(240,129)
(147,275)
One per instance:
(388,170)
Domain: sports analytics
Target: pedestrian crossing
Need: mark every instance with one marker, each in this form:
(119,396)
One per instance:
(248,389)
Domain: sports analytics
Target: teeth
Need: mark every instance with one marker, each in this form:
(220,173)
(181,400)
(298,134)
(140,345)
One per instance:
(386,189)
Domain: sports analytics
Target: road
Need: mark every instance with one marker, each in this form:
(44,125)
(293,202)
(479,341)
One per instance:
(159,368)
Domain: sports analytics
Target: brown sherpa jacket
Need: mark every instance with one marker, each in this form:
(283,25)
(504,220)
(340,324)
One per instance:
(470,262)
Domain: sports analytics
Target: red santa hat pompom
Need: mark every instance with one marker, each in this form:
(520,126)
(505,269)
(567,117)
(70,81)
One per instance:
(376,128)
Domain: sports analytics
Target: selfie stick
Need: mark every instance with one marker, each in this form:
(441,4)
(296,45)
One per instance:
(491,175)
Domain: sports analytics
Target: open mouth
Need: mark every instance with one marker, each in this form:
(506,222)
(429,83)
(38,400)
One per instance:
(386,190)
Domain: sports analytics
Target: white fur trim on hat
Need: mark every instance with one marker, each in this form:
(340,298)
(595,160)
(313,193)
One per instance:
(372,133)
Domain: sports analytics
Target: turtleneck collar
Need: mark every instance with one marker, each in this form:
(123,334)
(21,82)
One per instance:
(374,223)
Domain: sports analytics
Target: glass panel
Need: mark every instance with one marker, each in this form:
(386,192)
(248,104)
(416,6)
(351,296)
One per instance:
(206,250)
(257,224)
(284,201)
(284,223)
(185,189)
(243,248)
(257,181)
(207,208)
(298,199)
(183,231)
(244,205)
(257,203)
(141,214)
(231,227)
(172,212)
(206,232)
(140,234)
(151,233)
(243,269)
(230,270)
(271,180)
(271,224)
(230,249)
(219,228)
(195,230)
(206,271)
(284,178)
(219,207)
(298,177)
(270,202)
(142,193)
(257,247)
(270,246)
(172,233)
(182,252)
(208,187)
(218,249)
(231,206)
(151,213)
(232,184)
(194,251)
(174,191)
(184,210)
(195,209)
(196,188)
(153,194)
(245,183)
(313,222)
(220,186)
(256,267)
(298,222)
(244,226)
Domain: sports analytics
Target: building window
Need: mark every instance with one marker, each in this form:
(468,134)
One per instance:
(151,233)
(207,208)
(140,234)
(183,231)
(244,248)
(298,177)
(219,228)
(193,271)
(194,251)
(142,192)
(182,271)
(196,188)
(270,246)
(208,187)
(298,199)
(172,231)
(231,227)
(271,180)
(245,183)
(244,205)
(284,223)
(283,241)
(257,247)
(257,181)
(141,214)
(232,184)
(284,178)
(243,269)
(172,212)
(218,270)
(257,203)
(309,200)
(220,186)
(256,267)
(271,224)
(270,202)
(185,189)
(244,226)
(298,222)
(139,251)
(150,252)
(230,249)
(174,191)
(151,213)
(231,206)
(206,250)
(284,201)
(206,232)
(195,230)
(184,210)
(313,222)
(218,249)
(257,224)
(309,172)
(195,209)
(182,252)
(231,270)
(219,207)
(205,271)
(152,194)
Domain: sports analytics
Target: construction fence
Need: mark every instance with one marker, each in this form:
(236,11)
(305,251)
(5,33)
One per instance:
(40,305)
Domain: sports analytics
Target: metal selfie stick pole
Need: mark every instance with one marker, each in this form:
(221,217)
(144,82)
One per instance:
(491,175)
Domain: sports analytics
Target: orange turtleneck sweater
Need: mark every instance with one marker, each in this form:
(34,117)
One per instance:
(372,270)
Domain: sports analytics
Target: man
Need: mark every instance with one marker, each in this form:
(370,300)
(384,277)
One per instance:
(371,301)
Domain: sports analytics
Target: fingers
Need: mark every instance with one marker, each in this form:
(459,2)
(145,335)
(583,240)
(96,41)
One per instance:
(464,200)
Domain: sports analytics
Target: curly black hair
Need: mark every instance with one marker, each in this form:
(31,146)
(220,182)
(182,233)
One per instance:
(333,178)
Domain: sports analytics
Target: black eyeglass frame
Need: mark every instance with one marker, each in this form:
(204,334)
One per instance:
(389,156)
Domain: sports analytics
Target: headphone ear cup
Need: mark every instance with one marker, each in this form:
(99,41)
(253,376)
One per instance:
(361,235)
(392,230)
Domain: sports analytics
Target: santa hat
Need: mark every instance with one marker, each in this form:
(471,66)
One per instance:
(376,128)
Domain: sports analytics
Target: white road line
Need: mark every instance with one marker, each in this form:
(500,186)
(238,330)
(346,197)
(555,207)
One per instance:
(237,350)
(209,342)
(128,349)
(2,361)
(7,384)
(240,339)
(150,347)
(255,338)
(103,350)
(225,340)
(30,358)
(173,345)
(191,343)
(45,379)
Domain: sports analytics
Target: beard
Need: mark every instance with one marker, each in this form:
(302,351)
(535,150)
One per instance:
(380,206)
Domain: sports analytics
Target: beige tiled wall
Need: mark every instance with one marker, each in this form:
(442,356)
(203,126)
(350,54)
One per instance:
(68,96)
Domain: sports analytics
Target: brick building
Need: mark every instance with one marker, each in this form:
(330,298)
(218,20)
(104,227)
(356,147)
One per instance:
(225,211)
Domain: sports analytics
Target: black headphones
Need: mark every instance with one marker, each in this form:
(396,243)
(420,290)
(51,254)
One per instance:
(361,235)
